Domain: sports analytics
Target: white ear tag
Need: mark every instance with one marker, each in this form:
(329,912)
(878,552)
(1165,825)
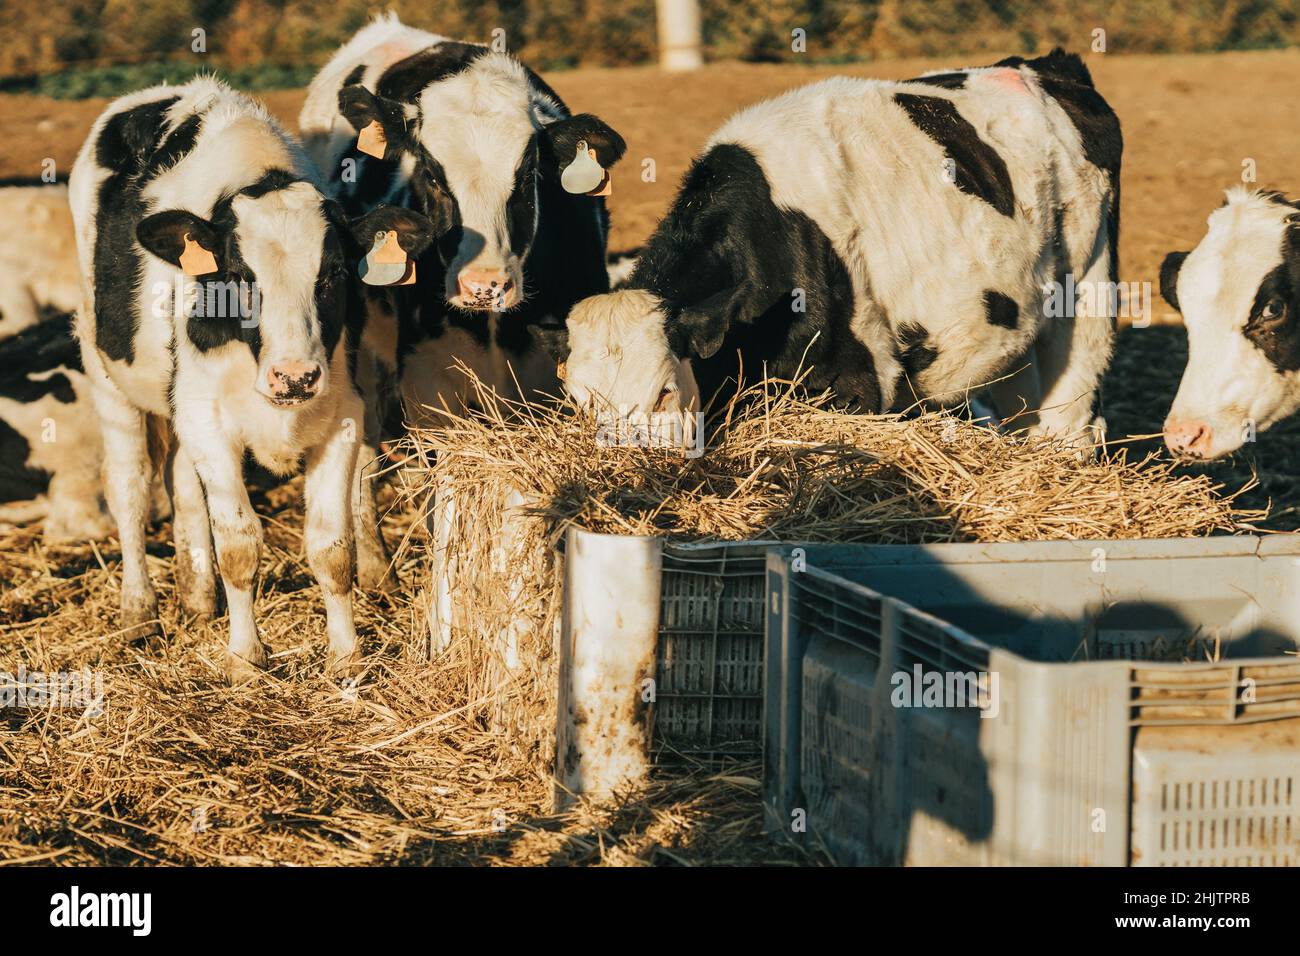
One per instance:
(584,174)
(386,263)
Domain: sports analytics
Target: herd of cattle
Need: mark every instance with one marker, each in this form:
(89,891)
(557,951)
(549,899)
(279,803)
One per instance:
(238,290)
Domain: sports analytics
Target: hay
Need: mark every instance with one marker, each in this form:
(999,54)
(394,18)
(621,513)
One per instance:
(779,466)
(412,765)
(294,768)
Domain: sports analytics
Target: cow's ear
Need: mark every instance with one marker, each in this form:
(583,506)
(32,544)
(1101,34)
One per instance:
(380,123)
(415,232)
(699,329)
(1169,270)
(560,143)
(187,241)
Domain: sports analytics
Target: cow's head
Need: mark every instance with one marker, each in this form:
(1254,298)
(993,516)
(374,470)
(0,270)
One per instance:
(276,269)
(630,352)
(474,137)
(1239,293)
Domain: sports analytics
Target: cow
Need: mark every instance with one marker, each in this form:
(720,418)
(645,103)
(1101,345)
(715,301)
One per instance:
(1239,294)
(220,300)
(462,131)
(897,241)
(49,440)
(38,258)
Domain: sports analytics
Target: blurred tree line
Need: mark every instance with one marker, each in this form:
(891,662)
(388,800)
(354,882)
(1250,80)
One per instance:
(278,42)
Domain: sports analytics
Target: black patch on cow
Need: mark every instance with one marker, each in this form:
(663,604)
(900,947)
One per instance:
(979,170)
(949,81)
(1000,309)
(914,349)
(1169,270)
(273,180)
(407,78)
(355,75)
(27,358)
(127,143)
(727,261)
(1068,66)
(1278,337)
(18,480)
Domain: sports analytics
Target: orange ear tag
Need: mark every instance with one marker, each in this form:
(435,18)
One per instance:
(606,186)
(195,260)
(387,262)
(372,141)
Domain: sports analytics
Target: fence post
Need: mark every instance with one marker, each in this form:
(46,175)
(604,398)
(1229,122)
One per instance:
(679,34)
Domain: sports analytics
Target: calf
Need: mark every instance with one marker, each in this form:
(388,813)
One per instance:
(49,440)
(900,240)
(1239,293)
(472,136)
(178,183)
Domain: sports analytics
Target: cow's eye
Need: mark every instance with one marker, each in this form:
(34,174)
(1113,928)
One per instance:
(1273,309)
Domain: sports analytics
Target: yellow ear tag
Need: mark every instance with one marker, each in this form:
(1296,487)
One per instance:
(372,141)
(195,260)
(606,186)
(561,370)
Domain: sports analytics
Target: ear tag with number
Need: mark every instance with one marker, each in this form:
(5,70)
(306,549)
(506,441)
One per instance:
(195,260)
(372,141)
(387,262)
(583,175)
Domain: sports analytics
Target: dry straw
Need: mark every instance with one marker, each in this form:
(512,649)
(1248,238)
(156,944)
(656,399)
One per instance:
(778,465)
(411,764)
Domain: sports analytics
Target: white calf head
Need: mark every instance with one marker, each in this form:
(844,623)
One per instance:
(1239,293)
(275,269)
(478,135)
(620,358)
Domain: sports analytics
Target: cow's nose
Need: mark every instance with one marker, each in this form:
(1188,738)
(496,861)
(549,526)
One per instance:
(483,287)
(1189,438)
(293,381)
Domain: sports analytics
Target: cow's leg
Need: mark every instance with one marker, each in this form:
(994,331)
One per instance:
(1073,354)
(237,534)
(331,550)
(196,579)
(126,489)
(374,561)
(373,557)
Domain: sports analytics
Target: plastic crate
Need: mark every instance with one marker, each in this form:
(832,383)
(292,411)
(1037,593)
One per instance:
(1148,702)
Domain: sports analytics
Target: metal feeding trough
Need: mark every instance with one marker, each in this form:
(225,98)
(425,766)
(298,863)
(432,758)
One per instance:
(1075,703)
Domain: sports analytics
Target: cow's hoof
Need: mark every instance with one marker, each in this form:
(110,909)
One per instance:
(242,668)
(376,575)
(198,604)
(341,666)
(139,622)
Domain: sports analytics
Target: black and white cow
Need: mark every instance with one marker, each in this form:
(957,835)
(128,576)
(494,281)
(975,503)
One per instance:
(1239,293)
(49,442)
(50,452)
(901,239)
(178,183)
(473,137)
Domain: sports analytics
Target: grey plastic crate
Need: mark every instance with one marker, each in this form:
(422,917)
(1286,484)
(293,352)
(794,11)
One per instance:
(709,659)
(1148,702)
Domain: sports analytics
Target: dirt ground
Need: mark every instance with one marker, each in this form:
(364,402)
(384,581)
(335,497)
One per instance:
(1189,122)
